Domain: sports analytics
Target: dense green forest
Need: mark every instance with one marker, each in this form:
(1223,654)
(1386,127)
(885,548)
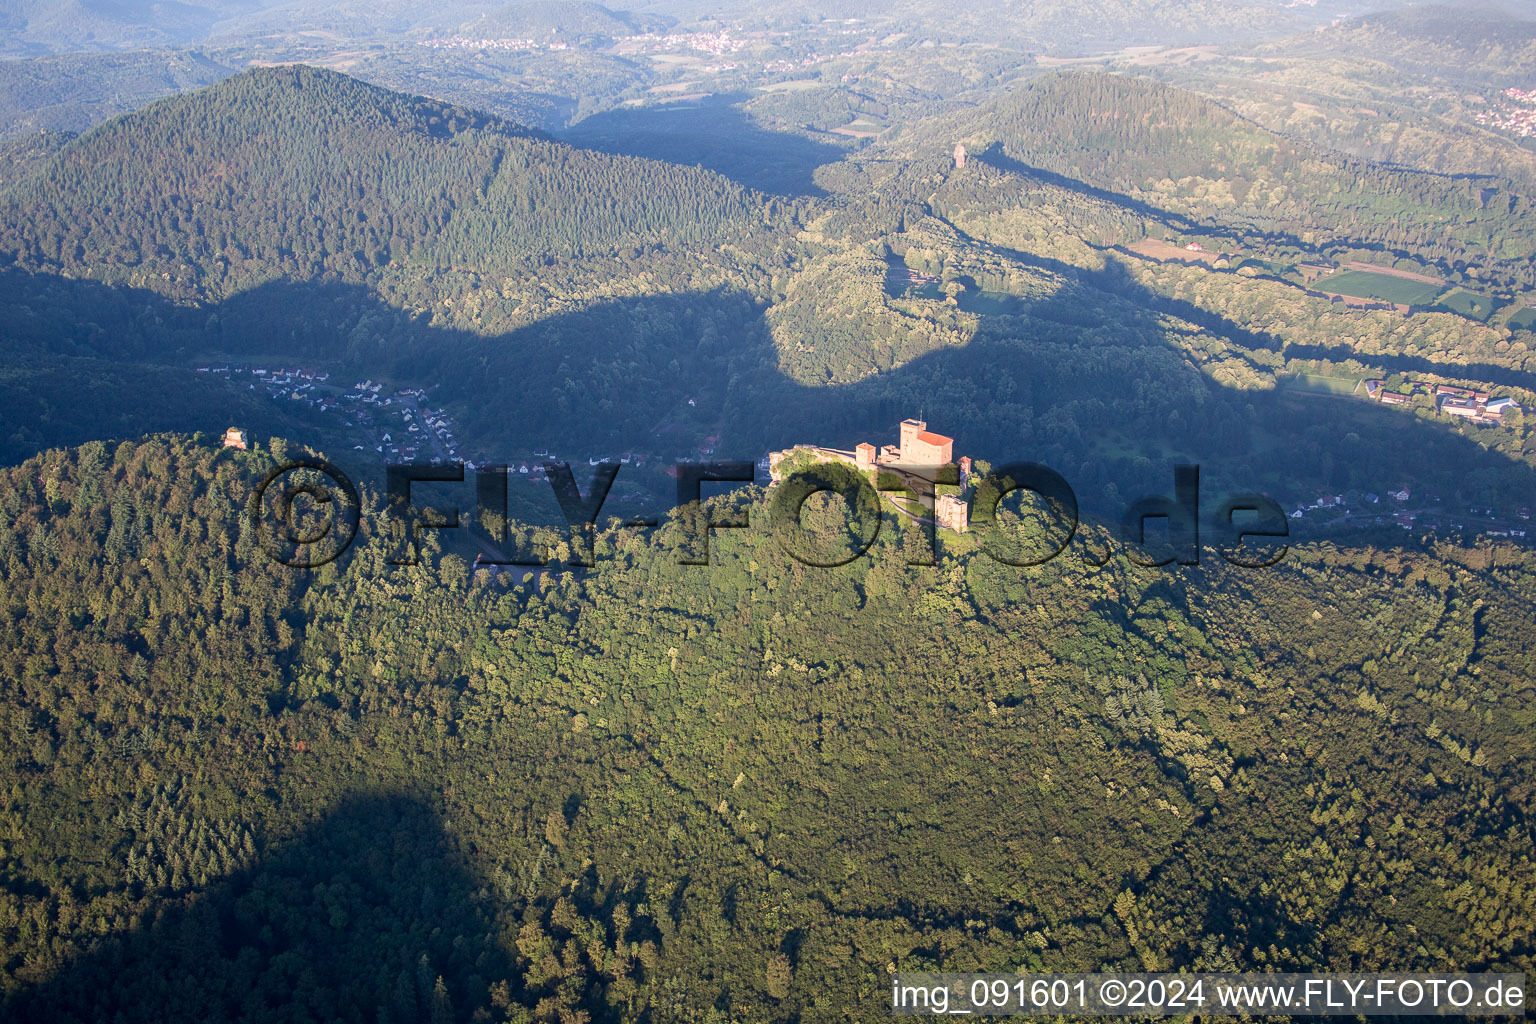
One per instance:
(651,792)
(647,791)
(307,174)
(76,91)
(23,156)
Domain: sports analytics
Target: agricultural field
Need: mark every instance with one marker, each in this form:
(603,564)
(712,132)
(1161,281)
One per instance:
(1157,249)
(1363,284)
(1321,384)
(861,128)
(1525,320)
(1469,304)
(794,85)
(990,303)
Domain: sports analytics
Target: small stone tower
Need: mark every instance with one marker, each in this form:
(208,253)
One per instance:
(959,154)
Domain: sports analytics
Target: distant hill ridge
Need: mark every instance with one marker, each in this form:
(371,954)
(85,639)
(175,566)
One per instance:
(537,19)
(1075,117)
(1477,44)
(1477,29)
(300,172)
(1171,150)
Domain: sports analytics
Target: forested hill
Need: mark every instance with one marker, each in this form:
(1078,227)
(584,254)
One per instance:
(1442,39)
(1180,152)
(378,793)
(25,155)
(304,173)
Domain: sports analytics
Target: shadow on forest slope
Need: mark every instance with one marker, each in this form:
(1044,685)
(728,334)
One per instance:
(353,920)
(1418,364)
(1091,380)
(995,157)
(1114,280)
(714,133)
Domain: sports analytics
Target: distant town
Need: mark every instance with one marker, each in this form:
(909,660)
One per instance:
(397,421)
(1404,508)
(400,424)
(488,43)
(1515,114)
(666,46)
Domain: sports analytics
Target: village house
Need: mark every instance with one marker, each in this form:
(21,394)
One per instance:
(1461,407)
(1477,407)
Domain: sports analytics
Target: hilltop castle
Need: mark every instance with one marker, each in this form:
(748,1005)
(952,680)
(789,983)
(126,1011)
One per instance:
(918,447)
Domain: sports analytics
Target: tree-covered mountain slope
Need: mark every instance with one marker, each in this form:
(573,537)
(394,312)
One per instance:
(636,794)
(1465,43)
(23,156)
(71,92)
(304,173)
(1178,152)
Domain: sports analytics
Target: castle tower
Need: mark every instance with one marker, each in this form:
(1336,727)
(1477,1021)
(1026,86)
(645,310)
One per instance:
(952,513)
(959,154)
(919,447)
(909,431)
